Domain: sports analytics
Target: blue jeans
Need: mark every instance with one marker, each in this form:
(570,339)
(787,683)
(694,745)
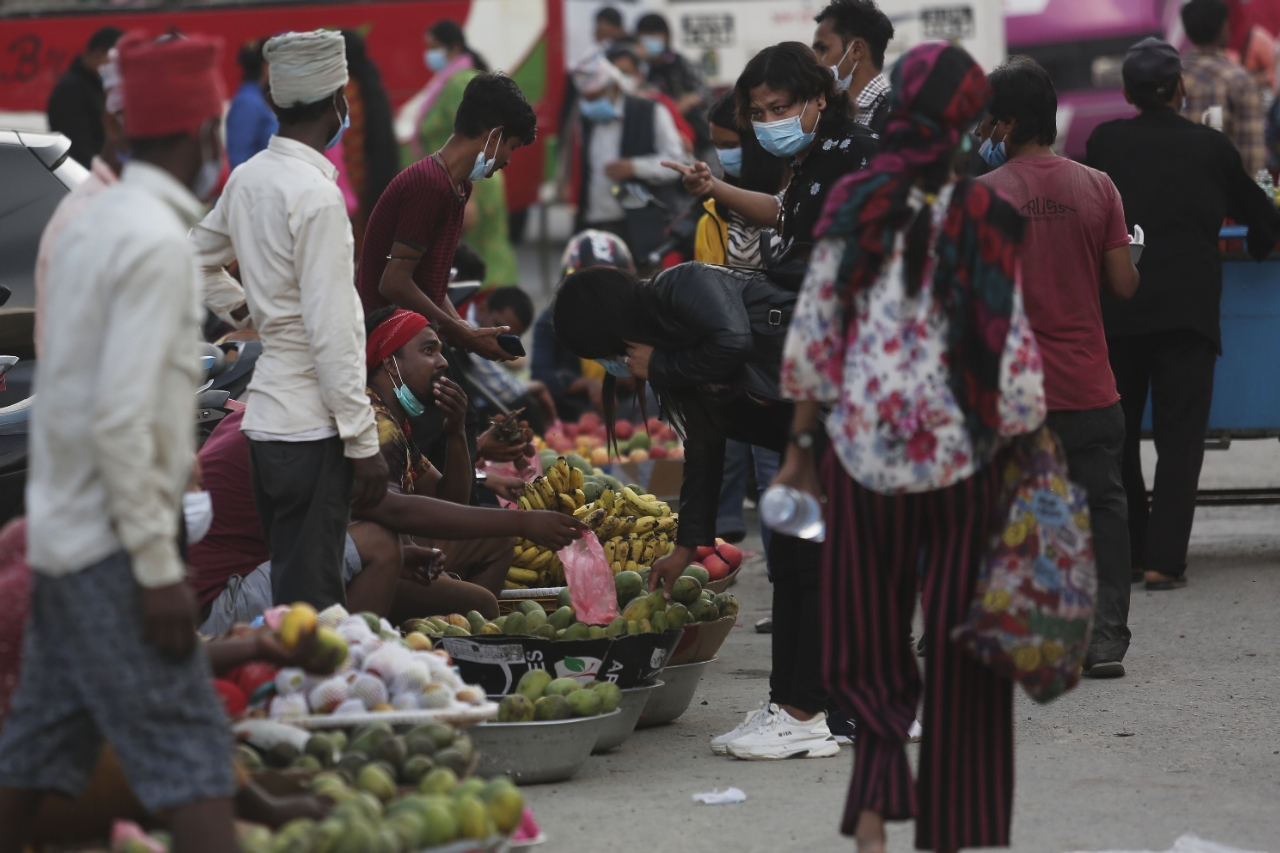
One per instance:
(733,489)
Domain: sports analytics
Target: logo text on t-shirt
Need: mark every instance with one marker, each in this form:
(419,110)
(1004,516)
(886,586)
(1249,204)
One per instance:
(1043,207)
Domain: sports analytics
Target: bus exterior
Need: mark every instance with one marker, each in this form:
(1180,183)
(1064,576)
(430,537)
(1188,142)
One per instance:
(724,34)
(523,37)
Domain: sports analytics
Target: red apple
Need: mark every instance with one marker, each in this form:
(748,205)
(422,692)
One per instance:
(657,452)
(655,426)
(562,444)
(716,567)
(623,430)
(702,552)
(571,430)
(731,554)
(589,421)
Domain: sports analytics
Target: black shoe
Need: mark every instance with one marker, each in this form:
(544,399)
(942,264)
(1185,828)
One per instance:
(1161,586)
(765,625)
(841,725)
(1105,669)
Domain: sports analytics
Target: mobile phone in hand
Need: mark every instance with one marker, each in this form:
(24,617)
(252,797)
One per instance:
(511,344)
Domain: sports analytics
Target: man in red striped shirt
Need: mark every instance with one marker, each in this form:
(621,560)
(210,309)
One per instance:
(415,226)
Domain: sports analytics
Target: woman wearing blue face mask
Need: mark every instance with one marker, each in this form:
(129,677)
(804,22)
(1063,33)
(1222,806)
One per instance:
(798,114)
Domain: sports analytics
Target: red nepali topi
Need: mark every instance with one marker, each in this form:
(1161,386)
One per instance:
(391,334)
(170,86)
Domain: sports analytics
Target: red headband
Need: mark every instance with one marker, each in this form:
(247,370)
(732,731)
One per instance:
(391,334)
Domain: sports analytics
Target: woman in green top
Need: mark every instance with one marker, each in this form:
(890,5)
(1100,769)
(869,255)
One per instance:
(453,65)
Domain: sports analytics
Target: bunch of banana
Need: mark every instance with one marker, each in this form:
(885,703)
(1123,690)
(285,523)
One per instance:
(644,505)
(560,489)
(636,550)
(534,566)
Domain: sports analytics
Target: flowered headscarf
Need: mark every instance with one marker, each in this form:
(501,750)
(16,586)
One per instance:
(938,90)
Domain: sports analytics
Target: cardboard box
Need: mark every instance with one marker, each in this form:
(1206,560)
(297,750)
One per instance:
(702,640)
(660,477)
(724,583)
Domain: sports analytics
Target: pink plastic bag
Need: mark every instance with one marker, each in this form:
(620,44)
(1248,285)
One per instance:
(590,580)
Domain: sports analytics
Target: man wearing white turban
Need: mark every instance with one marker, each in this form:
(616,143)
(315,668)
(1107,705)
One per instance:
(313,443)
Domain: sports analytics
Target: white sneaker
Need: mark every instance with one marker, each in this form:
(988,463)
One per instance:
(783,736)
(754,720)
(915,732)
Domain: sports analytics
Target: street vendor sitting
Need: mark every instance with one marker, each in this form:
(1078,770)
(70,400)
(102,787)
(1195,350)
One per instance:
(384,573)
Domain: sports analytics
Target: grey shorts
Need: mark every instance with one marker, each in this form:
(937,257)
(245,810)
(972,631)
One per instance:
(89,676)
(245,598)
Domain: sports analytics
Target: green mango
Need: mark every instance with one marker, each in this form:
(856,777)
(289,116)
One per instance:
(529,606)
(726,603)
(637,609)
(455,631)
(533,684)
(504,804)
(612,482)
(659,622)
(610,695)
(441,733)
(563,599)
(320,747)
(306,762)
(420,745)
(377,781)
(515,624)
(628,585)
(357,837)
(546,632)
(282,754)
(551,708)
(454,759)
(696,571)
(469,788)
(577,631)
(415,767)
(686,589)
(633,627)
(249,758)
(408,827)
(548,458)
(616,628)
(499,622)
(592,489)
(351,762)
(442,780)
(707,594)
(535,619)
(657,602)
(472,818)
(585,703)
(562,687)
(595,632)
(440,826)
(562,618)
(515,708)
(476,621)
(646,627)
(704,611)
(372,620)
(464,745)
(677,616)
(393,751)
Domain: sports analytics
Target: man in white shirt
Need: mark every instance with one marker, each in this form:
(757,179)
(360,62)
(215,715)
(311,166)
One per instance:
(110,650)
(312,438)
(624,141)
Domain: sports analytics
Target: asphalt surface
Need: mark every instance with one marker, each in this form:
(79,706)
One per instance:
(1188,741)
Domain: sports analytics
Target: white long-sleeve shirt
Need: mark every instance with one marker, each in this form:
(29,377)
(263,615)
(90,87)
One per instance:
(606,147)
(112,433)
(283,217)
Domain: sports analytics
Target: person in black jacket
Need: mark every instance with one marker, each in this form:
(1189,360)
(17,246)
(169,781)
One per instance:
(709,340)
(77,102)
(1178,180)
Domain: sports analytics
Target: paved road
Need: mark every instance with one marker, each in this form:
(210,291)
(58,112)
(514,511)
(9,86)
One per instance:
(1189,741)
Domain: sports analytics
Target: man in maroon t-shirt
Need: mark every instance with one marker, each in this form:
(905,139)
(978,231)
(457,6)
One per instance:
(415,226)
(1076,241)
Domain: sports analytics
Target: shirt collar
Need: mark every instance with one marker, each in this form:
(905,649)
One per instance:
(305,153)
(876,90)
(157,182)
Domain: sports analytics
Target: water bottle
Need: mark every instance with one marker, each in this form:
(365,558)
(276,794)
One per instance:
(793,513)
(1263,179)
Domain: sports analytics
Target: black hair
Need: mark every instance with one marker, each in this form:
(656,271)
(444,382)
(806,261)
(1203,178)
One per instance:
(1203,20)
(609,15)
(450,34)
(791,67)
(251,61)
(303,113)
(761,171)
(1021,90)
(381,151)
(104,39)
(1153,96)
(859,19)
(625,46)
(723,112)
(493,100)
(653,23)
(374,319)
(470,266)
(515,299)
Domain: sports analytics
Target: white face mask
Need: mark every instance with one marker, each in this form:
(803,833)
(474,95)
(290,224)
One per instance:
(843,82)
(206,180)
(197,514)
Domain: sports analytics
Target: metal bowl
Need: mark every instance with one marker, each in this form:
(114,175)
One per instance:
(619,728)
(672,697)
(533,753)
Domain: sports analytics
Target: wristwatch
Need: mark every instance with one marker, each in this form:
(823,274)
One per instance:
(482,477)
(805,440)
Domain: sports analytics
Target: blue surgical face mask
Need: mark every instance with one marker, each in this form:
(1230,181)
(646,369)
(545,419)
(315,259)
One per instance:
(615,367)
(436,58)
(484,166)
(730,161)
(784,137)
(994,155)
(843,82)
(653,45)
(411,404)
(598,110)
(342,128)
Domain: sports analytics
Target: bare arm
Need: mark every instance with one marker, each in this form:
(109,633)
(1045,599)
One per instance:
(1119,273)
(760,208)
(416,515)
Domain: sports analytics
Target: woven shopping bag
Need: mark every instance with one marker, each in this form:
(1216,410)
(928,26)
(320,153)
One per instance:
(1033,606)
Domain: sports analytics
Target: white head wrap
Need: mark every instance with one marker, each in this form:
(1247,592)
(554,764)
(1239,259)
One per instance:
(595,73)
(110,72)
(305,67)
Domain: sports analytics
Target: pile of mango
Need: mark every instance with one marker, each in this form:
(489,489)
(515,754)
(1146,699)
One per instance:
(653,613)
(538,697)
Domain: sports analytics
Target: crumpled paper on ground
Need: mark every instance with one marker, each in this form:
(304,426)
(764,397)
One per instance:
(720,798)
(1189,843)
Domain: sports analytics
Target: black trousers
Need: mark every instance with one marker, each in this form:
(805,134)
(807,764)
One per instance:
(1094,443)
(796,678)
(1177,368)
(301,489)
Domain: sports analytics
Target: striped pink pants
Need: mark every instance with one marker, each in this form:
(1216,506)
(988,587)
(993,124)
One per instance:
(879,550)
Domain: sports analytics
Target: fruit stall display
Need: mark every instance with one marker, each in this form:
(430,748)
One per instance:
(635,442)
(542,698)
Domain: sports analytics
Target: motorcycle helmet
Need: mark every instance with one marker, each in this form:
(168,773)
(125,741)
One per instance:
(592,248)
